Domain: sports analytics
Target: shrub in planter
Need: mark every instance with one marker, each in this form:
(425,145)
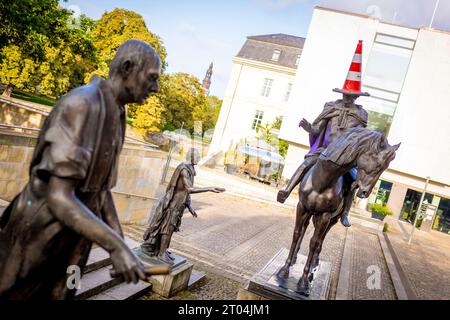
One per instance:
(380,211)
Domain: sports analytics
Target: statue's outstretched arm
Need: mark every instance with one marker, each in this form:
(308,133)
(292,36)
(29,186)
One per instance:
(191,189)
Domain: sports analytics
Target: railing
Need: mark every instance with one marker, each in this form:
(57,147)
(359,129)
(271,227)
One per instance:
(128,195)
(30,107)
(128,140)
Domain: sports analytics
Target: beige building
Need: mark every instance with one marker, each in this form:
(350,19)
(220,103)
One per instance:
(407,72)
(259,88)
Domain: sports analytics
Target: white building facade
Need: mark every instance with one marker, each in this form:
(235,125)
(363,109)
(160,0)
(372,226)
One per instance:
(407,73)
(259,88)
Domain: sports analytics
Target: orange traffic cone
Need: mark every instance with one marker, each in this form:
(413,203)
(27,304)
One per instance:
(352,84)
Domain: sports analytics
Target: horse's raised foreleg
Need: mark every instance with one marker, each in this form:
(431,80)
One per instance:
(301,219)
(321,227)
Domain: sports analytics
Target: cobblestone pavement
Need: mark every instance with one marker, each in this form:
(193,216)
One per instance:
(236,237)
(366,258)
(240,185)
(425,262)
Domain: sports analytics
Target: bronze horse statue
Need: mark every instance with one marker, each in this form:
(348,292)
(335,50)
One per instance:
(322,191)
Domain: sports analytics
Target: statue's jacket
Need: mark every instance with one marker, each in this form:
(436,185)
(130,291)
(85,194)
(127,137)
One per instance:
(81,139)
(320,140)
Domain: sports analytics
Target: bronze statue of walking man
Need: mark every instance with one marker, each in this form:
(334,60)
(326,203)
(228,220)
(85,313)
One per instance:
(67,203)
(336,117)
(169,210)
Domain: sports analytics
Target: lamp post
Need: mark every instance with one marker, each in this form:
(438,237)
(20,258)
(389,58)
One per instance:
(418,210)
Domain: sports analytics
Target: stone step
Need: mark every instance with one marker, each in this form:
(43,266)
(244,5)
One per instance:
(99,258)
(94,282)
(196,276)
(124,291)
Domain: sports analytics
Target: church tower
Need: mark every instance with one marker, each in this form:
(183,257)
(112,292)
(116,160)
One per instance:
(207,80)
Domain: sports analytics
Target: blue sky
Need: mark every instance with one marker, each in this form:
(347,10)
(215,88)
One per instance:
(197,32)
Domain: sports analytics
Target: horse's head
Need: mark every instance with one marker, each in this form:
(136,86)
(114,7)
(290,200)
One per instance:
(372,162)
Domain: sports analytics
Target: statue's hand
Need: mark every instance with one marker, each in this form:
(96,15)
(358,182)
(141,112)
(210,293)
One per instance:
(194,214)
(127,266)
(305,125)
(217,190)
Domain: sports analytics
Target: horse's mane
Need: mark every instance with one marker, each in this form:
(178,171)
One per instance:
(353,141)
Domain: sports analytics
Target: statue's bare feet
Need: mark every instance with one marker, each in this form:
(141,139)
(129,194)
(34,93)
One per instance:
(282,195)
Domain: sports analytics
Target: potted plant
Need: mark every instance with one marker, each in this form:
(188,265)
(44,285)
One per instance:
(380,211)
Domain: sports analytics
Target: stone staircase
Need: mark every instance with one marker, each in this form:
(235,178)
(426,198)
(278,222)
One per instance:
(97,284)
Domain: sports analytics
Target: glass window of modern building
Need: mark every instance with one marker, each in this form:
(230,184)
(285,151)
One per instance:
(257,119)
(266,87)
(384,76)
(384,190)
(442,219)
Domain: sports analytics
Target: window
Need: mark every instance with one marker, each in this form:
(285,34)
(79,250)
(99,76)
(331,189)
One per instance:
(288,92)
(442,219)
(383,193)
(266,87)
(257,119)
(276,55)
(297,61)
(384,77)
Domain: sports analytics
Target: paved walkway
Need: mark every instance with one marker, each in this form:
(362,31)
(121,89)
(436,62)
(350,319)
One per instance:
(425,263)
(362,260)
(240,185)
(237,236)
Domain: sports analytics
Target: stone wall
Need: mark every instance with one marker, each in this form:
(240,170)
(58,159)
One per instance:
(138,186)
(140,172)
(22,113)
(16,151)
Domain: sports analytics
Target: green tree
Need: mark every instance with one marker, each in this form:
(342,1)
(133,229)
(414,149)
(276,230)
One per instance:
(16,69)
(41,48)
(283,145)
(265,133)
(146,118)
(208,113)
(181,95)
(113,29)
(31,24)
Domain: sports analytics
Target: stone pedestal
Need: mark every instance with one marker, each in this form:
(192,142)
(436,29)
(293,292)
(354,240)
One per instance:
(170,284)
(266,284)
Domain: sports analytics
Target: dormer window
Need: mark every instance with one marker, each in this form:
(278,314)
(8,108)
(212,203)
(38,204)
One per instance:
(276,55)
